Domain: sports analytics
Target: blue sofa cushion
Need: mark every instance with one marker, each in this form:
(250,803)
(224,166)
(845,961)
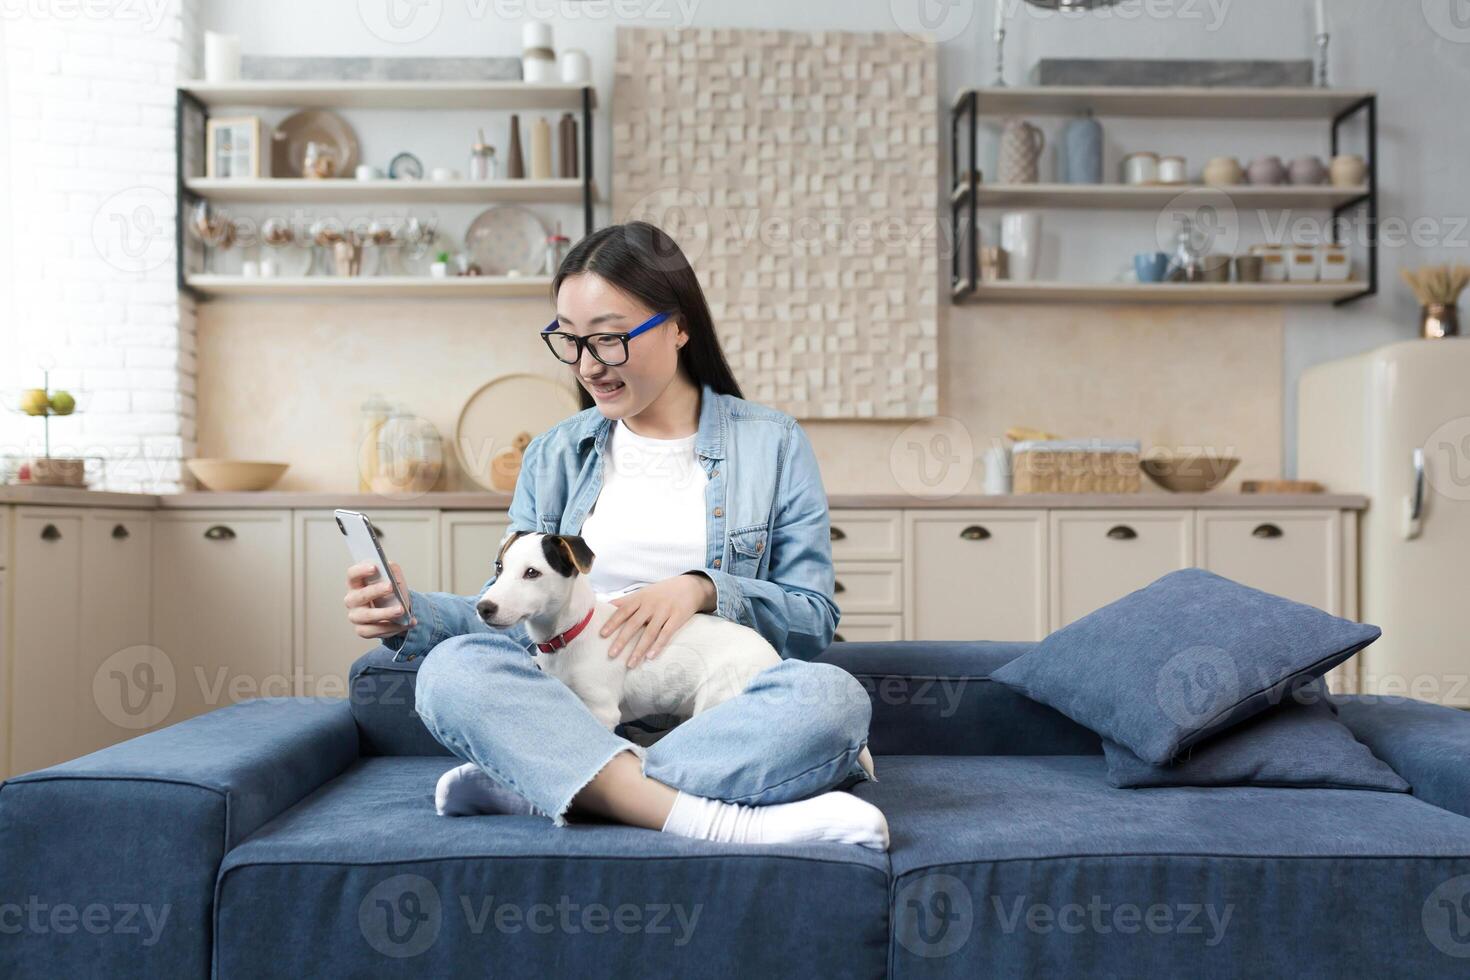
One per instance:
(1035,866)
(382,695)
(362,878)
(1297,743)
(1425,743)
(1181,659)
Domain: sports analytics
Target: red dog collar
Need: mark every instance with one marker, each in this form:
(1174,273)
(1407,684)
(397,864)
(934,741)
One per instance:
(566,636)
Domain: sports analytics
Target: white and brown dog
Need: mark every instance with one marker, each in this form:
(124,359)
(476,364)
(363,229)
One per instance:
(540,578)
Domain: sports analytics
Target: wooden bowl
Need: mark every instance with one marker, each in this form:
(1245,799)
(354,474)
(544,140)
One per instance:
(222,475)
(1188,473)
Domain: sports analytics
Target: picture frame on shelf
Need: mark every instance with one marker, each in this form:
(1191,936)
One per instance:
(233,148)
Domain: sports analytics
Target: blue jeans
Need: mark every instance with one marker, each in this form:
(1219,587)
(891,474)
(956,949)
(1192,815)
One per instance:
(795,731)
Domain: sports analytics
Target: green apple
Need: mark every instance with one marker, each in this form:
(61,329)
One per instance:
(33,401)
(62,403)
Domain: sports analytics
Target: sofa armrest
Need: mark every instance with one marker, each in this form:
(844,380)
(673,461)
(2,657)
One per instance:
(1425,743)
(108,861)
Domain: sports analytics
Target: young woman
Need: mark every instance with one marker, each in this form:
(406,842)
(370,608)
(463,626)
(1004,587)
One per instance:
(692,500)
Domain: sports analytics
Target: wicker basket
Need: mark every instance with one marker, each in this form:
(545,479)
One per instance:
(1075,466)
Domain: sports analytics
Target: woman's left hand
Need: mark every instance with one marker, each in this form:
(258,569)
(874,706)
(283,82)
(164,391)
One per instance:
(659,609)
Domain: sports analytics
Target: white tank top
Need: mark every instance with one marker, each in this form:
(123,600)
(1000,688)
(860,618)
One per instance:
(648,523)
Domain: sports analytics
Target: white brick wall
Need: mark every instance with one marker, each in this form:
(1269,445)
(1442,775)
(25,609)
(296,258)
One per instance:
(86,233)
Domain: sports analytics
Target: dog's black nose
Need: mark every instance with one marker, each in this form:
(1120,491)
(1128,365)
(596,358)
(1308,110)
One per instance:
(485,608)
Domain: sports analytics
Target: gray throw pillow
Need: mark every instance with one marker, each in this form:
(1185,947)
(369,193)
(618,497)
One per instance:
(1185,657)
(1299,743)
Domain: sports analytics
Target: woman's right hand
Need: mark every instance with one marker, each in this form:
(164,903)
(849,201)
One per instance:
(371,622)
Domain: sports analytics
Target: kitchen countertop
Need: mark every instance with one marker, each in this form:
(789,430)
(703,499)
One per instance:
(484,500)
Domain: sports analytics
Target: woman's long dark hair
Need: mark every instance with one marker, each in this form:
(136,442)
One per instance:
(643,261)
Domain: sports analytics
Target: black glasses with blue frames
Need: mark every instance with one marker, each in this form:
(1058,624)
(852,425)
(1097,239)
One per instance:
(609,348)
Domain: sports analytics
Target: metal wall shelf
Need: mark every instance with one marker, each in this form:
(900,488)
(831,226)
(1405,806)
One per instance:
(968,194)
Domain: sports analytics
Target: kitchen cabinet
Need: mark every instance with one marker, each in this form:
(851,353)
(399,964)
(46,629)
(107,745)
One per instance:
(6,688)
(222,606)
(324,643)
(1097,557)
(46,682)
(1307,556)
(120,670)
(975,574)
(119,619)
(469,542)
(868,587)
(79,633)
(1296,555)
(868,629)
(867,564)
(865,535)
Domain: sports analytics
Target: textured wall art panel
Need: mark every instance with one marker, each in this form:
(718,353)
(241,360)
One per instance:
(798,171)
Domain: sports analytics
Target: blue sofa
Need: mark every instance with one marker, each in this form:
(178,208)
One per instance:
(296,837)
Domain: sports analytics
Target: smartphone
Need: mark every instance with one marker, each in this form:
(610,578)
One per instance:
(363,543)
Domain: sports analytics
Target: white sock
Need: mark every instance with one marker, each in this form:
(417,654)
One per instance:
(466,790)
(835,817)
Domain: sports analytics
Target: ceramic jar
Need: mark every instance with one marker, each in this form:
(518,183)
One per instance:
(1020,236)
(1348,170)
(1223,172)
(1266,170)
(1173,170)
(1020,152)
(1307,171)
(1141,168)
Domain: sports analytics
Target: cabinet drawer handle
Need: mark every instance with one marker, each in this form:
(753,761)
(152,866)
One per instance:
(1122,532)
(1267,531)
(836,534)
(50,533)
(837,586)
(220,533)
(839,638)
(119,532)
(974,533)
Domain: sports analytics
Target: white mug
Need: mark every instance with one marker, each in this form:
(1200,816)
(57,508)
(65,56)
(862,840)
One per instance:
(366,171)
(1020,236)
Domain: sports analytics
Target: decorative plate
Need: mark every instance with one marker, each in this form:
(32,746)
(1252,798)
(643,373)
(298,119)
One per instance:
(288,143)
(507,241)
(511,406)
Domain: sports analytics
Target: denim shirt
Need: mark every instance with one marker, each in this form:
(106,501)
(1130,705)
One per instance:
(768,543)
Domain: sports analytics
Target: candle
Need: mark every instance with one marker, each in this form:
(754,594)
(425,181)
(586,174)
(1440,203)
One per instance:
(221,57)
(1321,16)
(1000,15)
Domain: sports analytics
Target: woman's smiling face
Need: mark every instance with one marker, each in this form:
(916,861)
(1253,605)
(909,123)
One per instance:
(588,304)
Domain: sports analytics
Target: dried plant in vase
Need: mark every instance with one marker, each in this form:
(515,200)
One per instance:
(1438,289)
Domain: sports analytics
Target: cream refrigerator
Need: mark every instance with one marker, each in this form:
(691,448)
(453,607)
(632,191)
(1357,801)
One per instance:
(1394,423)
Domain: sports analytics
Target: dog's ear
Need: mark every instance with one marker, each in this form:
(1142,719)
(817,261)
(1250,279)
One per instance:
(567,553)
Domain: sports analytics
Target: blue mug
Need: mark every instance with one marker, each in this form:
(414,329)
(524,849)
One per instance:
(1151,266)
